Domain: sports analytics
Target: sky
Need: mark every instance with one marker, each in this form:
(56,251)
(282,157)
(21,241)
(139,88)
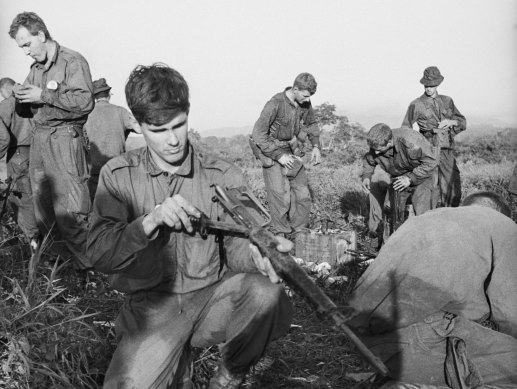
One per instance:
(366,55)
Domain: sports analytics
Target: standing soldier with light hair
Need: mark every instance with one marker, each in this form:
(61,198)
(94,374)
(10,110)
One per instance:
(16,135)
(439,119)
(58,90)
(285,123)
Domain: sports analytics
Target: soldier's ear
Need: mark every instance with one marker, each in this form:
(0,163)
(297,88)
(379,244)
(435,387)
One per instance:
(41,36)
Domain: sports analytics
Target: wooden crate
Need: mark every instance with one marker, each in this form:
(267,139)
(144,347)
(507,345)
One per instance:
(317,247)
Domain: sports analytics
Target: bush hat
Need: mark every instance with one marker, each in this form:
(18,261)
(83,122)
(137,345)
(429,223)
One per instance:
(100,85)
(432,77)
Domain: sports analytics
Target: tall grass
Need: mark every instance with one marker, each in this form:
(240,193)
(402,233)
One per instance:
(48,338)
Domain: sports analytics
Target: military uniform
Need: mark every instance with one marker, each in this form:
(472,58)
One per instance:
(280,123)
(438,277)
(58,158)
(182,289)
(16,134)
(107,128)
(411,156)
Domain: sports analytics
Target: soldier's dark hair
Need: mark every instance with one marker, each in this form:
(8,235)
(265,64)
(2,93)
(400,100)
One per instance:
(306,81)
(156,94)
(31,21)
(6,81)
(488,199)
(379,135)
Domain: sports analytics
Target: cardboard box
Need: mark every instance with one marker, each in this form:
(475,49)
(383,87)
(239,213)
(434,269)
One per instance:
(317,247)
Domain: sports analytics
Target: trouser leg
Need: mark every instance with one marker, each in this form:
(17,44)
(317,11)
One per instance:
(21,195)
(278,198)
(300,210)
(41,193)
(449,179)
(377,196)
(245,312)
(64,172)
(417,353)
(154,333)
(422,198)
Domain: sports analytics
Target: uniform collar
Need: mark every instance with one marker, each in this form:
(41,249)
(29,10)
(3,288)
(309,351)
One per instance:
(52,61)
(184,170)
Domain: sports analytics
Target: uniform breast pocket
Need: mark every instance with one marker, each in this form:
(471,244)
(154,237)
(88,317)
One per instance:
(198,258)
(284,131)
(447,113)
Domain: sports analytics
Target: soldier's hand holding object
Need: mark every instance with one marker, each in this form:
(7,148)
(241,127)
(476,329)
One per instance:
(173,212)
(27,93)
(401,183)
(447,123)
(287,160)
(264,265)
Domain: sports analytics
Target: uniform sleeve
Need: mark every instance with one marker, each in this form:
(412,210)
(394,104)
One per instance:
(429,158)
(409,119)
(261,134)
(462,122)
(113,240)
(369,164)
(312,128)
(6,117)
(74,96)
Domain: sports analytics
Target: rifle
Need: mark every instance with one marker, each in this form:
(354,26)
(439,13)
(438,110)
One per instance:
(294,276)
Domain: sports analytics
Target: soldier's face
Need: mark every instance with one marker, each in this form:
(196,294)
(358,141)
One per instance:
(168,143)
(430,91)
(382,149)
(32,45)
(301,96)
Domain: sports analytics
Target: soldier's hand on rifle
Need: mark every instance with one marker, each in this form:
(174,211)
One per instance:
(264,265)
(316,155)
(287,160)
(365,185)
(401,183)
(173,212)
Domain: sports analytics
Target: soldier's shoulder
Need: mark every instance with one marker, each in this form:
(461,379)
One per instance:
(212,161)
(446,99)
(408,137)
(417,101)
(129,159)
(70,55)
